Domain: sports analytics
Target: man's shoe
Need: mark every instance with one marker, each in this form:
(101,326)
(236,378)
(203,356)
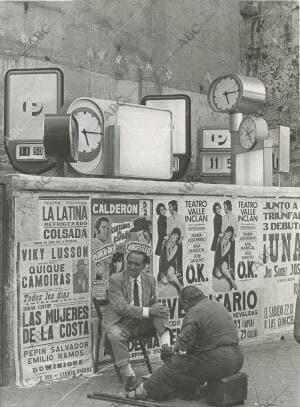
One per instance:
(138,394)
(131,383)
(166,352)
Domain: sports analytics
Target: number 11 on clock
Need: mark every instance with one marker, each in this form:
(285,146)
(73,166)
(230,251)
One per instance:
(216,163)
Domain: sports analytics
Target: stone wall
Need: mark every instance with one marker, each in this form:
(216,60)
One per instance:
(115,48)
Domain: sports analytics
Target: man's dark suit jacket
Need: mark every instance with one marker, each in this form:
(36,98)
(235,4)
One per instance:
(119,297)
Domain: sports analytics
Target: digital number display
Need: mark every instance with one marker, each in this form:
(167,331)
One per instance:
(30,152)
(175,162)
(216,138)
(24,151)
(215,163)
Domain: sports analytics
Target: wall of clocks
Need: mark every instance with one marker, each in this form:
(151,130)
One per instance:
(152,140)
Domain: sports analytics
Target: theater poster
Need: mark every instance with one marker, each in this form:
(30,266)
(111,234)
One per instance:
(52,305)
(211,243)
(197,241)
(118,227)
(280,263)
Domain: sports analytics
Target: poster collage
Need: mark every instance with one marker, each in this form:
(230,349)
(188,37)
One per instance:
(243,252)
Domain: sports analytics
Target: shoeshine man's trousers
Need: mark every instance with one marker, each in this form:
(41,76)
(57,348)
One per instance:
(181,373)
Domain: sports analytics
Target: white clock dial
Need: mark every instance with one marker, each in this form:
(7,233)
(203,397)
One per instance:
(90,128)
(251,130)
(226,93)
(90,134)
(247,133)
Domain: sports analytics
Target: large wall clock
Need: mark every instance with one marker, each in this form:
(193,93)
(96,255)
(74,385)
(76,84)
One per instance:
(236,93)
(90,121)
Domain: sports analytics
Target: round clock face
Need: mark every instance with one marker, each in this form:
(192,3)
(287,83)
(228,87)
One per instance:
(247,133)
(224,93)
(90,134)
(90,129)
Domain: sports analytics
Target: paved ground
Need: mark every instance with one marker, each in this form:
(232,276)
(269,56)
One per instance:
(273,369)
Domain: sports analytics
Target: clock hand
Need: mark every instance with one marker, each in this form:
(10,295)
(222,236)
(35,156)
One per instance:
(86,139)
(248,135)
(225,94)
(234,91)
(92,132)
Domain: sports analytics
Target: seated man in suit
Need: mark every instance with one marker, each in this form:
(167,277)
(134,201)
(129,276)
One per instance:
(133,309)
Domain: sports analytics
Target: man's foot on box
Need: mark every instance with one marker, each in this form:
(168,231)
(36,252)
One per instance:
(131,383)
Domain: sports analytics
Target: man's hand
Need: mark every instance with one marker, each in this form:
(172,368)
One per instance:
(176,349)
(159,310)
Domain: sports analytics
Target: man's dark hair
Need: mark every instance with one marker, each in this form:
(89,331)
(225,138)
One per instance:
(191,293)
(174,205)
(228,204)
(145,257)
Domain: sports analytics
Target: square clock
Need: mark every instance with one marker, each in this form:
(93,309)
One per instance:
(29,95)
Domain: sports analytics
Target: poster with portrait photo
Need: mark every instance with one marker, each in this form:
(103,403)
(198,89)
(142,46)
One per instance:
(169,231)
(80,276)
(249,270)
(222,245)
(196,260)
(118,226)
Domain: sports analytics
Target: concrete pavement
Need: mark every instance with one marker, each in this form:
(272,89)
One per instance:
(273,370)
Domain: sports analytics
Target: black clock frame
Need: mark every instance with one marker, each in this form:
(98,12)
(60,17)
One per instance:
(184,159)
